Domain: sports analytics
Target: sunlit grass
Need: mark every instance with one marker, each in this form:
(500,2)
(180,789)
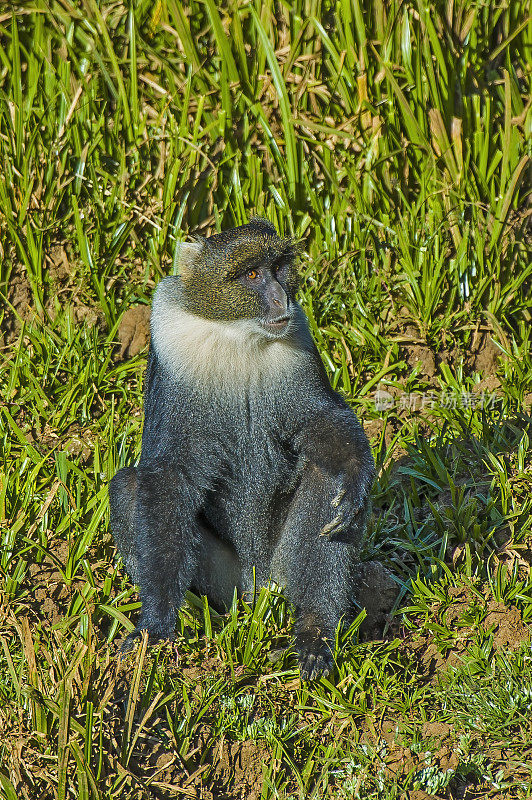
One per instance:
(393,140)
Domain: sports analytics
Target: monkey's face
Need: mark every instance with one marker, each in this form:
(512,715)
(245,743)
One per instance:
(245,273)
(267,290)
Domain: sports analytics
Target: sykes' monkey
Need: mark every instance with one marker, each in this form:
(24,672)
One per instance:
(249,459)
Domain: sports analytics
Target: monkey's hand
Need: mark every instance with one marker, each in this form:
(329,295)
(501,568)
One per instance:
(347,507)
(337,498)
(338,471)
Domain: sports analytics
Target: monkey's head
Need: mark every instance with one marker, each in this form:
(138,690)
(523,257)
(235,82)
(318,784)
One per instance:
(243,273)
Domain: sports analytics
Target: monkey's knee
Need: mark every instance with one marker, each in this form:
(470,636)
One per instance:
(123,501)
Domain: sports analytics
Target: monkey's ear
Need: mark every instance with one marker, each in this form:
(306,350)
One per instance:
(187,256)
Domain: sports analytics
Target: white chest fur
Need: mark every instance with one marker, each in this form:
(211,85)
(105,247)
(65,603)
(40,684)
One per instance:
(224,355)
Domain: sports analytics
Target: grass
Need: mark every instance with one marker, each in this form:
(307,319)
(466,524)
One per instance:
(394,141)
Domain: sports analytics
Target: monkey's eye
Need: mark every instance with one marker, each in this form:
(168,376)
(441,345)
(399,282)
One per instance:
(252,275)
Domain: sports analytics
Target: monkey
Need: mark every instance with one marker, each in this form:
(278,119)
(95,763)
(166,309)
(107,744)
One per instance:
(252,468)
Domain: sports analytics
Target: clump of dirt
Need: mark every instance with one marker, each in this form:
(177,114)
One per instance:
(373,428)
(79,443)
(50,590)
(484,356)
(232,769)
(75,440)
(60,270)
(416,354)
(506,625)
(18,307)
(89,315)
(134,331)
(377,592)
(61,291)
(210,664)
(392,738)
(66,289)
(414,348)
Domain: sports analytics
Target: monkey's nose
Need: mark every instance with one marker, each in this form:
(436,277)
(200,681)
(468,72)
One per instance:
(276,299)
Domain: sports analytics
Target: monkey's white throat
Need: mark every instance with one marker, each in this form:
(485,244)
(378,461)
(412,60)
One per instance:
(224,355)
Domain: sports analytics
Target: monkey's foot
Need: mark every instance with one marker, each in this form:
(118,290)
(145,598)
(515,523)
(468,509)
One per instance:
(128,645)
(153,638)
(314,656)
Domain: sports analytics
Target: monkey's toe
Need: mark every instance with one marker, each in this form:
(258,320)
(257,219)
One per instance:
(129,642)
(315,658)
(154,637)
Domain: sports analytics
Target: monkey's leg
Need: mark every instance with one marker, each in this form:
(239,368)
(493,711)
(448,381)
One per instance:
(166,545)
(123,503)
(219,571)
(318,576)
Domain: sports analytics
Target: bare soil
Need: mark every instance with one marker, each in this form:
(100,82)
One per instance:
(63,292)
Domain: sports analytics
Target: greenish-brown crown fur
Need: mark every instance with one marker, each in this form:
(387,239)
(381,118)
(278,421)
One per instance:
(211,288)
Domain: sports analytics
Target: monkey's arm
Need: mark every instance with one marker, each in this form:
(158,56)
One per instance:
(324,527)
(336,458)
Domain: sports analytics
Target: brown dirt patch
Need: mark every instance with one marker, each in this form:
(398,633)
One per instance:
(50,594)
(416,354)
(134,331)
(485,355)
(481,355)
(373,428)
(397,757)
(60,278)
(60,269)
(239,767)
(18,307)
(508,629)
(231,770)
(89,315)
